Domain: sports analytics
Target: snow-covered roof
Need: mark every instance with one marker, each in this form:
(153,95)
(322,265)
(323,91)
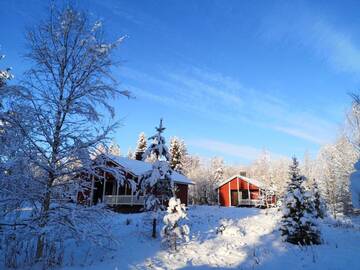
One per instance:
(138,167)
(247,179)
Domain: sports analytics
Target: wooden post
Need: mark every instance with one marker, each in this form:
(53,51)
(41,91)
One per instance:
(104,188)
(92,190)
(154,228)
(238,189)
(249,199)
(117,192)
(229,193)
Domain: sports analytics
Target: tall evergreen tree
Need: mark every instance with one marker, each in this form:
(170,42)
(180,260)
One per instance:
(177,154)
(140,147)
(158,180)
(114,149)
(297,224)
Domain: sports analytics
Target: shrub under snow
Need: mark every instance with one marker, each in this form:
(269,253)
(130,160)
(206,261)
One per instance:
(175,230)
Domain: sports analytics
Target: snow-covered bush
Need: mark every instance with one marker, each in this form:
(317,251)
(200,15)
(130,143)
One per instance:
(174,230)
(298,225)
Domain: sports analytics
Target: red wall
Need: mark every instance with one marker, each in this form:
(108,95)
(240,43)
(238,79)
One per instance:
(224,195)
(224,190)
(182,193)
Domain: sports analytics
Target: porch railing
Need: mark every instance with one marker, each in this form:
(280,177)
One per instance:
(257,202)
(249,202)
(123,200)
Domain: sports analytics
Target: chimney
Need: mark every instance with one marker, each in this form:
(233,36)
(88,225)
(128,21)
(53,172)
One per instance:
(243,173)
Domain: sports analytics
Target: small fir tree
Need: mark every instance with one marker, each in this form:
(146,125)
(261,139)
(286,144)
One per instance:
(158,180)
(174,230)
(297,224)
(140,147)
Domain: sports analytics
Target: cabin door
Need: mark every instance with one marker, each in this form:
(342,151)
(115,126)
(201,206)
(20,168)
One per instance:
(234,198)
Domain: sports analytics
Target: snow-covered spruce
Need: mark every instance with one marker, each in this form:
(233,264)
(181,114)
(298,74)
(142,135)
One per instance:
(140,147)
(158,181)
(178,153)
(114,149)
(298,225)
(174,230)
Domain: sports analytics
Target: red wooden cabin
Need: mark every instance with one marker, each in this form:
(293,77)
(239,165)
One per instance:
(239,190)
(106,189)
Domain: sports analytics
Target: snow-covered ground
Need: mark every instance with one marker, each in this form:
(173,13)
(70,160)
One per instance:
(250,240)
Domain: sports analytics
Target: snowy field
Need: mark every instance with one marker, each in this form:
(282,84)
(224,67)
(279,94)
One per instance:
(250,241)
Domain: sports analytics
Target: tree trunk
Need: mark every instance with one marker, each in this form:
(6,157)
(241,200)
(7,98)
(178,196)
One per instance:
(51,179)
(154,228)
(45,211)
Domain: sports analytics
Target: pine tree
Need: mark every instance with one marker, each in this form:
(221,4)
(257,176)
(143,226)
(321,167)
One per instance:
(174,229)
(297,224)
(158,180)
(130,154)
(140,147)
(114,149)
(177,154)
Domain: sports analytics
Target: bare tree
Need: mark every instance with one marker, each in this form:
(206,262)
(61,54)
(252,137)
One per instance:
(60,115)
(333,168)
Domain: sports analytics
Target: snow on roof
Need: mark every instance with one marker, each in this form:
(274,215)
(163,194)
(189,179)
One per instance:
(249,180)
(138,167)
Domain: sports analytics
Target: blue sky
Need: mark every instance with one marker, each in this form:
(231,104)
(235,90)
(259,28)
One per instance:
(229,77)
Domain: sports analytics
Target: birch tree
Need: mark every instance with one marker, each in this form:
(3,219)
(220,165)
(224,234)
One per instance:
(59,112)
(333,168)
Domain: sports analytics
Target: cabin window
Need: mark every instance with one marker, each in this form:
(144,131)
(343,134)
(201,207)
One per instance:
(244,195)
